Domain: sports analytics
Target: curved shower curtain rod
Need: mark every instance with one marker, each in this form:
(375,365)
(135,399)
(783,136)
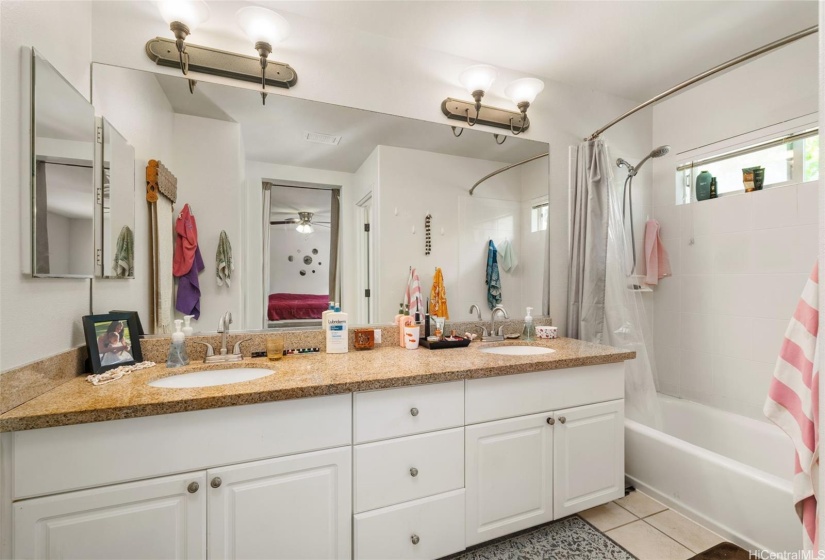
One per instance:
(687,83)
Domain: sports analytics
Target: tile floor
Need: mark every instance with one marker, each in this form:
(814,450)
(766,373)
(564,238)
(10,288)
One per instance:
(649,530)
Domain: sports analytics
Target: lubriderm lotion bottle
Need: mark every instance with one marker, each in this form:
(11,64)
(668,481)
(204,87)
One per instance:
(335,324)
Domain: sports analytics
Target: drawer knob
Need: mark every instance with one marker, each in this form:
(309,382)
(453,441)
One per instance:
(551,420)
(193,487)
(413,472)
(562,419)
(216,482)
(414,411)
(415,539)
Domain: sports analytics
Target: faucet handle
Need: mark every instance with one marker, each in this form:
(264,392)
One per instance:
(210,351)
(237,349)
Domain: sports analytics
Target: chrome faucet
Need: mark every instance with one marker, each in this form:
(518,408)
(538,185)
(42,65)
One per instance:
(496,335)
(474,309)
(223,328)
(224,356)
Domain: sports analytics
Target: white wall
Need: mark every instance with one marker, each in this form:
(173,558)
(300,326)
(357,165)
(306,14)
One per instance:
(285,276)
(210,169)
(136,106)
(720,320)
(38,317)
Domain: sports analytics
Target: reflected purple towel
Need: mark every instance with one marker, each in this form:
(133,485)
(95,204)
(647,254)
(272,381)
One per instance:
(188,301)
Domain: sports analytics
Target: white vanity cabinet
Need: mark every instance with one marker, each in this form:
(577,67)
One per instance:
(529,468)
(296,505)
(157,518)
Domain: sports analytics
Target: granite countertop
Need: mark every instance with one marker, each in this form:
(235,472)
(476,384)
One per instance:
(78,401)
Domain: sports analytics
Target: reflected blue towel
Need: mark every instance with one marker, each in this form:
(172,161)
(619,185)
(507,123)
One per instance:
(493,279)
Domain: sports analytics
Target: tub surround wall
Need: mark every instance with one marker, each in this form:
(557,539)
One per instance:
(720,320)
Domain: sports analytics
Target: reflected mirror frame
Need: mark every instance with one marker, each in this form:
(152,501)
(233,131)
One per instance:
(106,132)
(35,55)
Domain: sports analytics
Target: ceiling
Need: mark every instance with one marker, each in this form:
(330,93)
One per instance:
(286,202)
(632,49)
(275,133)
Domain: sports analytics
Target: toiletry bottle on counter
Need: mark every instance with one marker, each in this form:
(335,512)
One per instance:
(529,333)
(177,351)
(329,310)
(337,332)
(187,328)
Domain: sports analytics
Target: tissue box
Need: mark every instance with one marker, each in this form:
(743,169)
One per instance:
(547,332)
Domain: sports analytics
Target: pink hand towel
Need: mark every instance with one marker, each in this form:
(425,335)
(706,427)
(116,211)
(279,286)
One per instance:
(656,259)
(793,404)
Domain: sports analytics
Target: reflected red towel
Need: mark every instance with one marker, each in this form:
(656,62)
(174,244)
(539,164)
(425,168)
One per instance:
(656,259)
(186,242)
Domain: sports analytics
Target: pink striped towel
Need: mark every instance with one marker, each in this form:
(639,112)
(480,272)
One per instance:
(656,258)
(412,295)
(793,404)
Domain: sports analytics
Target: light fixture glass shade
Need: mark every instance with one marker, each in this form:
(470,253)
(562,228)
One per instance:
(262,25)
(304,228)
(524,90)
(191,13)
(478,77)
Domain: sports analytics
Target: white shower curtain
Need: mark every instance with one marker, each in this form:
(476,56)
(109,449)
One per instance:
(602,306)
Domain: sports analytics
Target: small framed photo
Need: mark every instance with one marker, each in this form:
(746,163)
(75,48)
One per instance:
(112,340)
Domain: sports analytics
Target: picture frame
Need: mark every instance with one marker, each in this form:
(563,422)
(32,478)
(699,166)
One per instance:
(112,340)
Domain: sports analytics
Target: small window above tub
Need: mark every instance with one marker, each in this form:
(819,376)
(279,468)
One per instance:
(539,216)
(786,160)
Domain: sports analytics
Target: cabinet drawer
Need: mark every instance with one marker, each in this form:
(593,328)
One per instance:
(496,398)
(384,470)
(409,410)
(428,528)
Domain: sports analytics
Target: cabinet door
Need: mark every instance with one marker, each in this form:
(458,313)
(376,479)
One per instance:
(292,507)
(509,477)
(150,519)
(588,464)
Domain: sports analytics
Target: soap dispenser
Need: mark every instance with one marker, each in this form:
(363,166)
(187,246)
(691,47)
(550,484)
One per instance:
(529,333)
(177,351)
(187,328)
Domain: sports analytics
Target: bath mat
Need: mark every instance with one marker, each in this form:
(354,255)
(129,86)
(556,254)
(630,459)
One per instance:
(571,538)
(723,551)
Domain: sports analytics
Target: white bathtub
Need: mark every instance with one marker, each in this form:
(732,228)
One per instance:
(728,472)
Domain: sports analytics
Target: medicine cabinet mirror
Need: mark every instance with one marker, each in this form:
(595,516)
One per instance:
(62,176)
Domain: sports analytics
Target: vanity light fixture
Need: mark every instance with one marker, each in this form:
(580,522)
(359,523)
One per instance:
(264,28)
(477,80)
(183,17)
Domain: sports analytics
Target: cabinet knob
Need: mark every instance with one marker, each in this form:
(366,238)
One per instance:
(414,411)
(413,472)
(216,482)
(415,539)
(551,420)
(193,487)
(562,419)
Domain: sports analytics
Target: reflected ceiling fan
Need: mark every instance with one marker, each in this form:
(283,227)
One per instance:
(304,222)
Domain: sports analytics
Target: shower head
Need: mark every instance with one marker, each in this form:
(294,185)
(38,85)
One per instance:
(655,153)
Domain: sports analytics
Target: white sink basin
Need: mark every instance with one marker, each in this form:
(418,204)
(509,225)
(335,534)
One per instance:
(210,378)
(518,350)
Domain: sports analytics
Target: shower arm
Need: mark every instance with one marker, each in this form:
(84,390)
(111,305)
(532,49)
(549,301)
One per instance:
(706,74)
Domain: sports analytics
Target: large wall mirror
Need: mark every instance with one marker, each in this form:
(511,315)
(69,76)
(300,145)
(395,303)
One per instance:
(63,203)
(329,203)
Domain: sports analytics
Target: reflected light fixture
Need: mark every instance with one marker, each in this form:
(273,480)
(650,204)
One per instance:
(477,80)
(264,28)
(183,17)
(305,225)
